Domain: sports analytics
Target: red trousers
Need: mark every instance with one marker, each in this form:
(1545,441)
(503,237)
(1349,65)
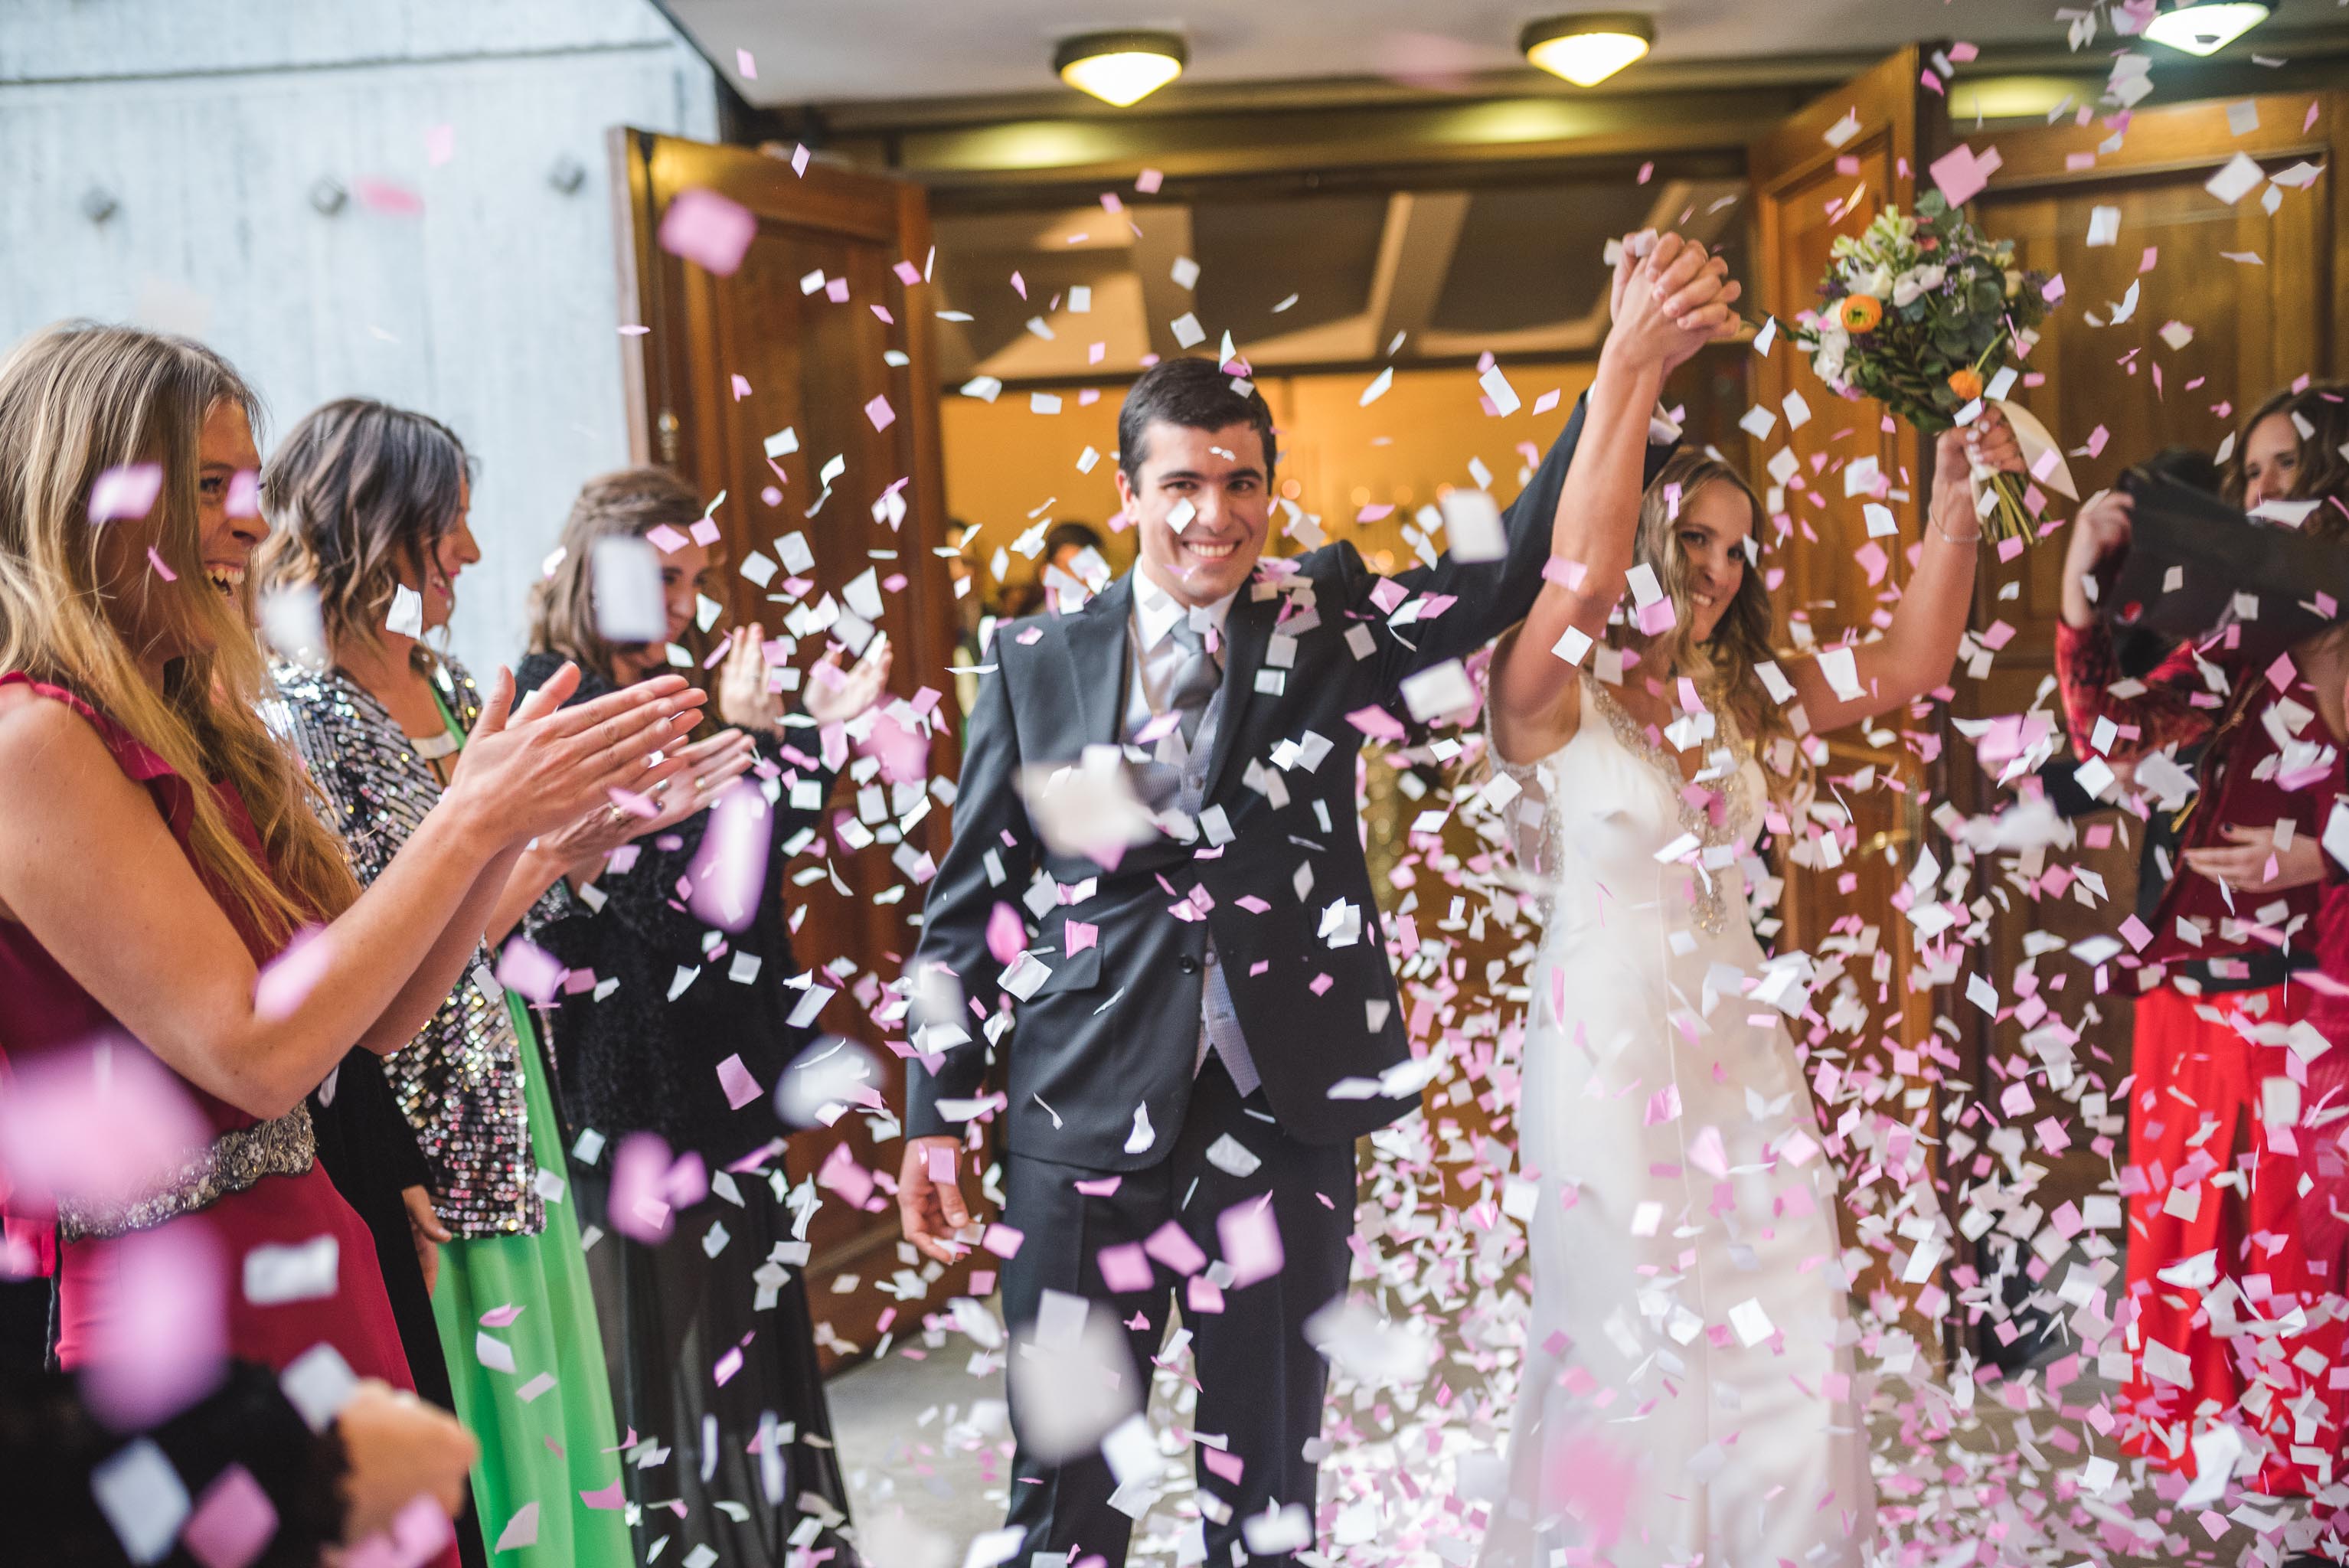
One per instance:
(2220,1210)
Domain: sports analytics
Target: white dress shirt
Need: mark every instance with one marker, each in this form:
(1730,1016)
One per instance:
(1156,659)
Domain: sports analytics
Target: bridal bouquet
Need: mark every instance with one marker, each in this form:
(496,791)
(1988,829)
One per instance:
(1918,313)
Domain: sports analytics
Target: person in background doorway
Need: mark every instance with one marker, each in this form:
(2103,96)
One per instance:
(1064,543)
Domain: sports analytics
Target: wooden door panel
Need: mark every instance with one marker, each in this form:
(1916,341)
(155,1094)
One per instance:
(726,363)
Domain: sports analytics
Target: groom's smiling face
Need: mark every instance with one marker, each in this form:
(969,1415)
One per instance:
(1201,500)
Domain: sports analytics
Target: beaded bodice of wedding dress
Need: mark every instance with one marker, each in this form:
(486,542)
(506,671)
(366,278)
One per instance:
(1688,1382)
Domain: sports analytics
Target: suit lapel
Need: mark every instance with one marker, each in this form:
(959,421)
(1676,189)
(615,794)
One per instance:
(1249,631)
(1099,649)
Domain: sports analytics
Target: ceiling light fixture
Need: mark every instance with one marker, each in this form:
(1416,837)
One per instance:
(1589,49)
(1120,68)
(2208,28)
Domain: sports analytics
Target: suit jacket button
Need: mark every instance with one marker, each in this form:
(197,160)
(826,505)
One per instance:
(1189,965)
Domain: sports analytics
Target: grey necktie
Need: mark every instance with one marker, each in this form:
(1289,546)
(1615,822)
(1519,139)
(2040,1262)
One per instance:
(1195,678)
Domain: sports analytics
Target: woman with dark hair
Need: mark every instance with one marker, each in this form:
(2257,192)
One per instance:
(158,859)
(1643,740)
(676,1046)
(368,510)
(2234,926)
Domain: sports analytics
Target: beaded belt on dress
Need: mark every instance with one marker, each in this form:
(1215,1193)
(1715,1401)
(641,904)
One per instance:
(232,1162)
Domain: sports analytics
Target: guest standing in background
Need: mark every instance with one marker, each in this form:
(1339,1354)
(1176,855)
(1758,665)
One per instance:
(709,1336)
(2232,926)
(367,505)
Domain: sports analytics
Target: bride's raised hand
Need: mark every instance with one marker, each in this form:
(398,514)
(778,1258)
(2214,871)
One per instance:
(1667,304)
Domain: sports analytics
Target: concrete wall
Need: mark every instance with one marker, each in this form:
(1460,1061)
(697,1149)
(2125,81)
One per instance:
(208,124)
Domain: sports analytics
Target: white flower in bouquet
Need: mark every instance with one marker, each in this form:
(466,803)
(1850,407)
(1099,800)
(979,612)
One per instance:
(1915,284)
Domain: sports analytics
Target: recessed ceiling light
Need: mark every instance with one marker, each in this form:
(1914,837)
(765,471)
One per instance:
(1589,49)
(1120,68)
(2209,27)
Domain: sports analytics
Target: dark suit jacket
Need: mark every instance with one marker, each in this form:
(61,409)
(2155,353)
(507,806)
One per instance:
(1116,1026)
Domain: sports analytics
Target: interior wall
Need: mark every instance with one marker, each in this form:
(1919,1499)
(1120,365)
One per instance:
(177,162)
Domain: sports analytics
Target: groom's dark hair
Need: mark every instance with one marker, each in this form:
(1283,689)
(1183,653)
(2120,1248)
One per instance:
(1197,394)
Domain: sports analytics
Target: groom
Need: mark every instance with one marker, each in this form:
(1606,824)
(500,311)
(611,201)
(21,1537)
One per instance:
(1201,1028)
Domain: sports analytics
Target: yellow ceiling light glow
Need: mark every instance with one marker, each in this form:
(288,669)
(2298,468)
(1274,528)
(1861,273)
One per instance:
(2209,27)
(1589,49)
(1120,68)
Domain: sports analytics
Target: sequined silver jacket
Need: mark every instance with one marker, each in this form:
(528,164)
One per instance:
(460,1081)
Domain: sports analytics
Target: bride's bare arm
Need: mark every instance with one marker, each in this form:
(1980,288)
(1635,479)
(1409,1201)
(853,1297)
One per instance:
(1667,304)
(1917,650)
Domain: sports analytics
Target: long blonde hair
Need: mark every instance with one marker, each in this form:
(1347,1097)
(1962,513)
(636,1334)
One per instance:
(1723,665)
(76,401)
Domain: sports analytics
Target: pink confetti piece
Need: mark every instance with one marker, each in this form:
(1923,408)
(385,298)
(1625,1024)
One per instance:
(606,1497)
(706,531)
(126,492)
(529,970)
(245,493)
(1124,1268)
(735,1080)
(667,539)
(705,227)
(1249,1236)
(1173,1246)
(440,145)
(880,413)
(1002,1239)
(649,1185)
(383,196)
(234,1521)
(746,65)
(1150,180)
(726,1365)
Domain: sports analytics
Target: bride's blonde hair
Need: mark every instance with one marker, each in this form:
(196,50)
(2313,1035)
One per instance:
(1724,665)
(76,401)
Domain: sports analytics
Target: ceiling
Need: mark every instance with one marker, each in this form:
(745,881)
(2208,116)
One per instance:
(1350,279)
(840,51)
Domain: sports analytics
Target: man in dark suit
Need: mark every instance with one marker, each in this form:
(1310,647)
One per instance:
(1205,1018)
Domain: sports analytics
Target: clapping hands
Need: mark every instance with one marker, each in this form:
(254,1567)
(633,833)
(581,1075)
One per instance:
(1669,298)
(831,695)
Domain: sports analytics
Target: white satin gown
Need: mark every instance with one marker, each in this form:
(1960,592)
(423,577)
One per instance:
(1688,1394)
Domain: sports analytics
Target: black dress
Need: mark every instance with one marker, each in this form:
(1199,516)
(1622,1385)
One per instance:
(638,1060)
(369,1153)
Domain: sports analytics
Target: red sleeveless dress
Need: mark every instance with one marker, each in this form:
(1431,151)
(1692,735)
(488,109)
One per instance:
(42,1009)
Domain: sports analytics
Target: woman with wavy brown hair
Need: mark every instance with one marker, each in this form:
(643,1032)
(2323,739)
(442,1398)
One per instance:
(1683,1218)
(369,507)
(2235,927)
(158,855)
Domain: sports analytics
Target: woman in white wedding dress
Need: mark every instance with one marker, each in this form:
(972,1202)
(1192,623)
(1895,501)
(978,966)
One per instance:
(1688,1393)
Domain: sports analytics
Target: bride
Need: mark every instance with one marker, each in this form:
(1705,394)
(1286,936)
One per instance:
(1688,1390)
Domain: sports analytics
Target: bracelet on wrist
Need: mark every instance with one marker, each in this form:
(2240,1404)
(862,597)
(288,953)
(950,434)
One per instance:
(1967,542)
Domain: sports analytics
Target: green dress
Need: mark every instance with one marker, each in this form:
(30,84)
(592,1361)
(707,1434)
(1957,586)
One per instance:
(526,1362)
(547,1476)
